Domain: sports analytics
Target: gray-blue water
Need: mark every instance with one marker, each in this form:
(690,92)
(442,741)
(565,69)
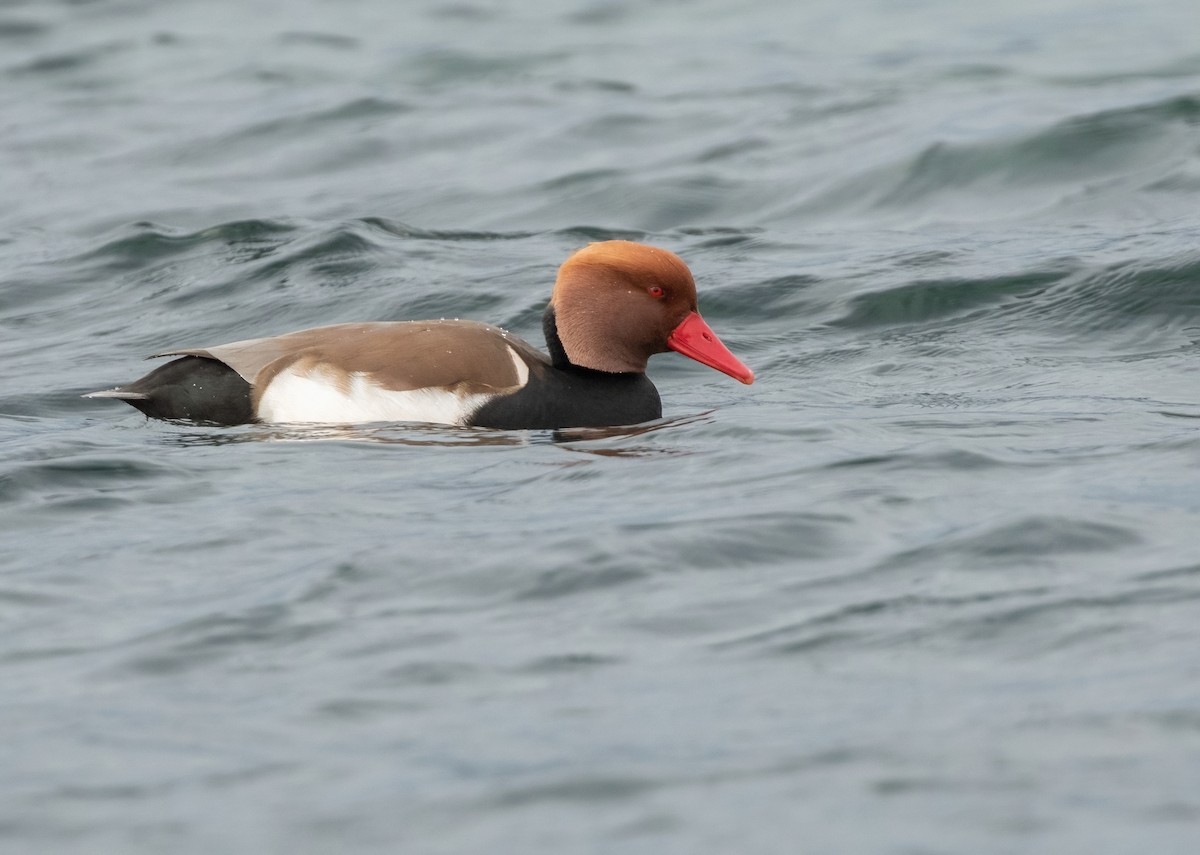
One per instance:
(931,585)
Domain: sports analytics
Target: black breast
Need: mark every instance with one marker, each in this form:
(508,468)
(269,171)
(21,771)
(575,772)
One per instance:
(561,394)
(574,397)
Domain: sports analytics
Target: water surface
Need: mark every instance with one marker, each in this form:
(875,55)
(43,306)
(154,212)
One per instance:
(931,585)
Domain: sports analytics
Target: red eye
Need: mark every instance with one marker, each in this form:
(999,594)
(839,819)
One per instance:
(656,291)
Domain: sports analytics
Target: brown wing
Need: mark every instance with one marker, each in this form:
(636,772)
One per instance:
(401,356)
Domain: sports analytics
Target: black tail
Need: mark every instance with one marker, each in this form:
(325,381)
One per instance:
(192,388)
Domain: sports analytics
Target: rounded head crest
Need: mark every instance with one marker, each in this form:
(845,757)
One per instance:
(616,302)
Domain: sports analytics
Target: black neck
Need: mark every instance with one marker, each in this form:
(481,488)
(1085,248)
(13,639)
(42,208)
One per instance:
(558,354)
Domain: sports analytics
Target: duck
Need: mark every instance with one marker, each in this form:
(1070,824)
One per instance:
(614,304)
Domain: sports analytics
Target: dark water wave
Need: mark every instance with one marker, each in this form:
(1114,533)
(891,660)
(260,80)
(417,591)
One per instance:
(143,243)
(357,113)
(306,270)
(248,240)
(1143,148)
(933,302)
(1155,297)
(1033,621)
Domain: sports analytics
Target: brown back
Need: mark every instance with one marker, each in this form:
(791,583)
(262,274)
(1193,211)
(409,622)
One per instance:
(400,356)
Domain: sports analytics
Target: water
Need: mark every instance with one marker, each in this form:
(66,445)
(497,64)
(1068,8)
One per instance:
(931,585)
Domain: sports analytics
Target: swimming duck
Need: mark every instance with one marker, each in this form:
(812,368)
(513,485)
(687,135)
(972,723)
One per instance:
(614,305)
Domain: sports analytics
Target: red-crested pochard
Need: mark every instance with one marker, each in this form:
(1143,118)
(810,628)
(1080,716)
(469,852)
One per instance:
(614,305)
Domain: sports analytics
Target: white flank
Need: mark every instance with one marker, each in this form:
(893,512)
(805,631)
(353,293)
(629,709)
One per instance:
(316,398)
